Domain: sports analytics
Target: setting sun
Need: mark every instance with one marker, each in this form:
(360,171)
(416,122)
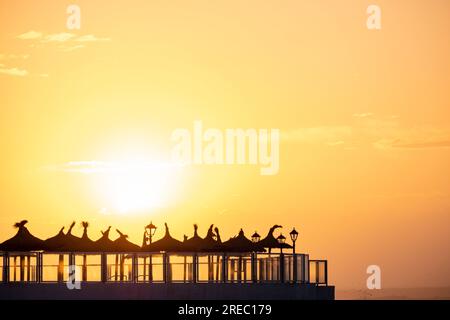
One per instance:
(129,188)
(360,117)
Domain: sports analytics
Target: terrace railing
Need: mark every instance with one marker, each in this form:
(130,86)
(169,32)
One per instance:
(184,267)
(318,272)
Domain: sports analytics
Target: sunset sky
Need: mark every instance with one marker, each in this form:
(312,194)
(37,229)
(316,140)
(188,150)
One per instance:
(86,118)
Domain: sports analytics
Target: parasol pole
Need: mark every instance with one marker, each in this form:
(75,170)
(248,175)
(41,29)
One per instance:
(61,268)
(22,267)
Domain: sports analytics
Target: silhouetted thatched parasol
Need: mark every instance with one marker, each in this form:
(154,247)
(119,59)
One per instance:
(271,242)
(122,244)
(195,243)
(76,244)
(241,244)
(104,243)
(86,243)
(56,242)
(23,240)
(71,242)
(166,243)
(210,242)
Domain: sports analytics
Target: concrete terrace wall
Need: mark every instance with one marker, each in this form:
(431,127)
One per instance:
(167,291)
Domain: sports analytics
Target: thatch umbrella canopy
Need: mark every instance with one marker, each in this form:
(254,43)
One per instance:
(76,244)
(23,240)
(271,242)
(218,238)
(241,244)
(56,242)
(86,244)
(195,243)
(70,241)
(212,240)
(104,243)
(122,244)
(166,243)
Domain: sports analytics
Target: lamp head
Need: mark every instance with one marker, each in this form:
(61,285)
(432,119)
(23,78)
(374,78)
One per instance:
(256,237)
(281,239)
(294,235)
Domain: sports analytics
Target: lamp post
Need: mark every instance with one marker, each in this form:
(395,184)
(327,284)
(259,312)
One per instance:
(281,240)
(148,235)
(294,236)
(256,237)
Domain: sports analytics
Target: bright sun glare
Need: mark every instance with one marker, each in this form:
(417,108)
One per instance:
(133,187)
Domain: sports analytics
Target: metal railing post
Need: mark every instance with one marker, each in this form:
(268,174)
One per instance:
(39,267)
(224,267)
(5,268)
(252,266)
(294,261)
(134,268)
(71,266)
(104,267)
(306,271)
(195,268)
(164,260)
(317,272)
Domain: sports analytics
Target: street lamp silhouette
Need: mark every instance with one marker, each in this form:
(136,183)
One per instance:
(256,237)
(149,233)
(294,236)
(281,240)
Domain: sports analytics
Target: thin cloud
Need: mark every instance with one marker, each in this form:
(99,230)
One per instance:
(4,56)
(58,37)
(335,143)
(363,115)
(30,35)
(71,48)
(73,41)
(423,145)
(323,134)
(90,38)
(381,134)
(13,71)
(94,166)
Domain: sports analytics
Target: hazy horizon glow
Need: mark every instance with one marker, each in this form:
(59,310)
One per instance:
(86,119)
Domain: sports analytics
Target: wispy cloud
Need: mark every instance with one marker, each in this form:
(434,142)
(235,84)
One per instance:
(423,145)
(335,143)
(61,37)
(325,134)
(90,38)
(30,35)
(363,115)
(9,56)
(94,166)
(58,37)
(71,48)
(13,71)
(382,133)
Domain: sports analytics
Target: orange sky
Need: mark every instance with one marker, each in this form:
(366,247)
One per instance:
(364,118)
